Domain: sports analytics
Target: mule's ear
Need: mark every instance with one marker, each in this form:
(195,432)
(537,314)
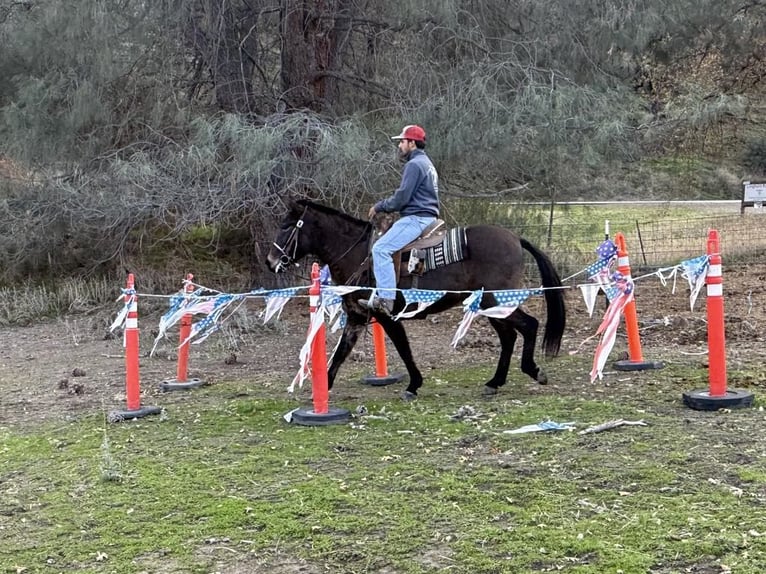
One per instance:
(290,202)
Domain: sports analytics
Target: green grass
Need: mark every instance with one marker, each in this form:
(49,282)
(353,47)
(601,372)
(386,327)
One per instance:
(223,481)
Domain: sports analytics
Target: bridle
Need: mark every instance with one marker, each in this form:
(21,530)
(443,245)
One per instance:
(291,244)
(290,248)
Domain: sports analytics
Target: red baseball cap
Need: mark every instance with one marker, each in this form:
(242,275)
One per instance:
(413,132)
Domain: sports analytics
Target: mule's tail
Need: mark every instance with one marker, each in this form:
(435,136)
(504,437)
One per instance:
(554,300)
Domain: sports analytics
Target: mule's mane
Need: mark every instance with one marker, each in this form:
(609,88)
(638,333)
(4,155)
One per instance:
(327,210)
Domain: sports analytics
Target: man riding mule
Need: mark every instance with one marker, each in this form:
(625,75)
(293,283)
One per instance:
(417,200)
(491,265)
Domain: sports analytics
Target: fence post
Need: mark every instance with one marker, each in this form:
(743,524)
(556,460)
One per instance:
(381,376)
(132,379)
(635,361)
(322,413)
(716,396)
(181,381)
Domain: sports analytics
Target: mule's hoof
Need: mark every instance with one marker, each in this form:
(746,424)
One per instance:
(489,391)
(542,378)
(408,396)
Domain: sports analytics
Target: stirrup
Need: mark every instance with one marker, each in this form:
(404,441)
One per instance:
(385,306)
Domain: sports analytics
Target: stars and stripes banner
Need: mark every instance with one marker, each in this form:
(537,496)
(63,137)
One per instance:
(598,272)
(470,310)
(181,304)
(607,253)
(622,295)
(695,272)
(507,302)
(304,372)
(119,321)
(209,324)
(332,304)
(276,301)
(589,292)
(619,291)
(422,297)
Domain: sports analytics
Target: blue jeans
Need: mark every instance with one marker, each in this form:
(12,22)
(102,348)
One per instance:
(405,230)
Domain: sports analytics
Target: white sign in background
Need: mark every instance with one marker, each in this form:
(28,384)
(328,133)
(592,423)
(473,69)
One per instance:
(755,192)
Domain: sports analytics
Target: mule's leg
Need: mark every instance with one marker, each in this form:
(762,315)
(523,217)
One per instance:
(346,343)
(397,334)
(507,336)
(527,326)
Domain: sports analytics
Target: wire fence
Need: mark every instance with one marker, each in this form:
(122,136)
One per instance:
(655,244)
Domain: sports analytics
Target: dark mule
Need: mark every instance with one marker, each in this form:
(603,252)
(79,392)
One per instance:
(494,263)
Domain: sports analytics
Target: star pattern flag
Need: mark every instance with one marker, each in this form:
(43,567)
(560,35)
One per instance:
(276,301)
(611,321)
(607,249)
(317,320)
(324,275)
(119,321)
(589,293)
(423,298)
(695,272)
(507,302)
(169,318)
(208,325)
(182,304)
(332,303)
(599,272)
(471,309)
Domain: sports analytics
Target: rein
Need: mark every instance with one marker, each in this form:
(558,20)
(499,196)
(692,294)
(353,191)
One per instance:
(354,244)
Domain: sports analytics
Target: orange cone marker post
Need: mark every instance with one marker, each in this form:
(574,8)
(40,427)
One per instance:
(381,376)
(636,360)
(130,341)
(716,333)
(322,413)
(716,396)
(132,385)
(181,382)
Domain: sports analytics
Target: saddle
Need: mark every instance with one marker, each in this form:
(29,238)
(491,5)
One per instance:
(420,254)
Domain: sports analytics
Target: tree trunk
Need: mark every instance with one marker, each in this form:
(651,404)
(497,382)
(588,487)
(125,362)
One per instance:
(222,36)
(315,36)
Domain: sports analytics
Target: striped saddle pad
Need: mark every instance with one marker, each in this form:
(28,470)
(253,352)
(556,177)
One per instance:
(453,248)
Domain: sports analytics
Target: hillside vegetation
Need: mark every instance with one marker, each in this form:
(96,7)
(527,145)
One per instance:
(148,135)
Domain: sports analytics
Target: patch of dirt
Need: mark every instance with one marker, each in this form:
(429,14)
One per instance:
(63,369)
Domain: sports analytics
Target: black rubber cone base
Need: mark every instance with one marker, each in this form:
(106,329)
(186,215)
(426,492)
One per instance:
(333,416)
(733,399)
(638,365)
(174,385)
(376,381)
(119,416)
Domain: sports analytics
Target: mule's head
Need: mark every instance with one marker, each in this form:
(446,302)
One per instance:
(289,245)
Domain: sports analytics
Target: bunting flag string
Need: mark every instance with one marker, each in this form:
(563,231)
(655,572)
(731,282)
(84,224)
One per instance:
(181,304)
(619,291)
(122,316)
(622,294)
(598,272)
(470,309)
(215,306)
(317,320)
(589,292)
(695,272)
(276,301)
(332,304)
(423,298)
(507,302)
